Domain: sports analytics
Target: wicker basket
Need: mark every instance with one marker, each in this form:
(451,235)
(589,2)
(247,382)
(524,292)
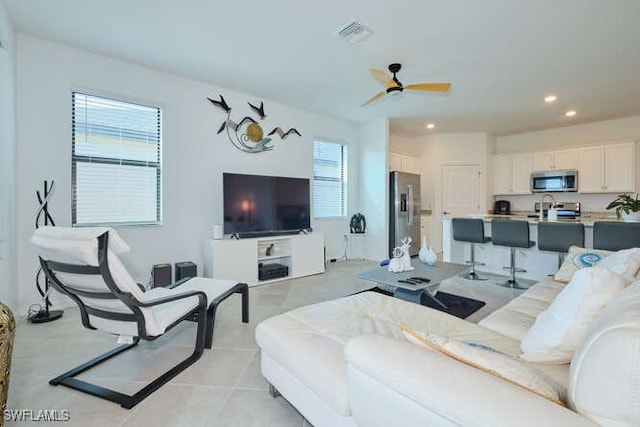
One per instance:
(7,333)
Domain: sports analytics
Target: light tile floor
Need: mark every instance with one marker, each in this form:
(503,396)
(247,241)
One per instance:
(223,388)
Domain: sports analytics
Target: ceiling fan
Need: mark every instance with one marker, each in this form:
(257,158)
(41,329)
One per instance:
(394,85)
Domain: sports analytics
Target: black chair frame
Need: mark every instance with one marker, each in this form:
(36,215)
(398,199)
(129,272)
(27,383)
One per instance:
(203,315)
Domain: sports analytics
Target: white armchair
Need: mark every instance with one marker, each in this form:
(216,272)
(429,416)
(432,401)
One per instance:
(82,263)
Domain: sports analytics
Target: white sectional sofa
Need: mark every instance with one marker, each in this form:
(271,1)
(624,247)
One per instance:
(346,362)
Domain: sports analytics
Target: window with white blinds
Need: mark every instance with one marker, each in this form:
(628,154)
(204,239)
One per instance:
(115,163)
(329,179)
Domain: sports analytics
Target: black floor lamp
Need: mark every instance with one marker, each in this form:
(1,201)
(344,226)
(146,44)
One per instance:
(44,314)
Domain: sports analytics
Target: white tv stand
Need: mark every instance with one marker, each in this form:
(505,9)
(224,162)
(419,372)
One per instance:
(238,259)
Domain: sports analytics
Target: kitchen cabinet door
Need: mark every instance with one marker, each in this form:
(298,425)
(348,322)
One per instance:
(502,174)
(542,161)
(618,167)
(591,173)
(565,159)
(410,164)
(521,173)
(551,160)
(403,163)
(395,162)
(607,168)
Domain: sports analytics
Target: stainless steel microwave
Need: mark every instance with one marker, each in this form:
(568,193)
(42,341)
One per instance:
(554,181)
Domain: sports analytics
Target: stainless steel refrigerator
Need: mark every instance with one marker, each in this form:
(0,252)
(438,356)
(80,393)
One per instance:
(404,210)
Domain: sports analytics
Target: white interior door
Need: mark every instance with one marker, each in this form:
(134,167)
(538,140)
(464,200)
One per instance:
(460,189)
(460,195)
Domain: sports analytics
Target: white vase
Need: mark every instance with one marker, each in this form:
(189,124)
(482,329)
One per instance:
(426,254)
(630,217)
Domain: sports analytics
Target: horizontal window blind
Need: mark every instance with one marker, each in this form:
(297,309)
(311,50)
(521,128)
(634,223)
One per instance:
(116,162)
(329,179)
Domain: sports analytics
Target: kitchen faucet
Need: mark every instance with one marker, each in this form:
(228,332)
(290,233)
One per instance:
(553,203)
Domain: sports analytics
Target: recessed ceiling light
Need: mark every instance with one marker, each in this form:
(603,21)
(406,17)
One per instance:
(570,113)
(431,126)
(550,99)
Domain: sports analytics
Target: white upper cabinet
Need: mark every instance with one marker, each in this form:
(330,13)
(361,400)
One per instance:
(403,163)
(607,168)
(559,159)
(502,174)
(521,173)
(512,174)
(395,162)
(565,159)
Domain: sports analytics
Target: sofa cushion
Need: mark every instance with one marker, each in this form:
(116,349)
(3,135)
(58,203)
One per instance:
(491,361)
(309,341)
(625,262)
(559,329)
(604,383)
(579,258)
(516,318)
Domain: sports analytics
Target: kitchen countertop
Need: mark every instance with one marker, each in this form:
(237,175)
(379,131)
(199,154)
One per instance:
(587,219)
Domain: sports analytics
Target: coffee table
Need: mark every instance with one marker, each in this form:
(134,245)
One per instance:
(436,273)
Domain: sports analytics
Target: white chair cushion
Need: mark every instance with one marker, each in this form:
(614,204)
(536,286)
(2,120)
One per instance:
(559,329)
(490,361)
(116,244)
(77,246)
(158,318)
(579,258)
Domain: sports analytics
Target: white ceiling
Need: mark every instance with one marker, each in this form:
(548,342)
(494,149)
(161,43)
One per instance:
(502,56)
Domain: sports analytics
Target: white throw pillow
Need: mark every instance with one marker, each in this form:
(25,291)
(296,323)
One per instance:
(491,361)
(559,329)
(579,258)
(624,262)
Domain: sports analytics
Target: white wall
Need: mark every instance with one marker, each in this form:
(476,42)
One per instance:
(567,137)
(8,289)
(194,156)
(374,186)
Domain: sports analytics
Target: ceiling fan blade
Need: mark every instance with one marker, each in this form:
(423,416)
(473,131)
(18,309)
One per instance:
(429,87)
(375,97)
(383,78)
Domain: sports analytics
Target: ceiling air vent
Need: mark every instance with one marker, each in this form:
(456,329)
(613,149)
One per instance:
(353,32)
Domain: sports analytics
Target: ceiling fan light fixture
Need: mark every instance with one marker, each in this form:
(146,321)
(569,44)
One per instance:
(395,87)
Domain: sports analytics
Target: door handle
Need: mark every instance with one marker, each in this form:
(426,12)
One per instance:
(410,204)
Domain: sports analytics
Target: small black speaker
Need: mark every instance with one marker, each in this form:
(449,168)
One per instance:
(186,269)
(161,274)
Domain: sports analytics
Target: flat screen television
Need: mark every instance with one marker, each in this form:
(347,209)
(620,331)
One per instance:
(258,204)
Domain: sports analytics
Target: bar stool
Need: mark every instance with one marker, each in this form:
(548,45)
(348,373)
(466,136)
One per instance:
(613,236)
(558,237)
(514,234)
(470,230)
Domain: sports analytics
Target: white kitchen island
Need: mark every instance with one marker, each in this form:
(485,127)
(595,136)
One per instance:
(537,263)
